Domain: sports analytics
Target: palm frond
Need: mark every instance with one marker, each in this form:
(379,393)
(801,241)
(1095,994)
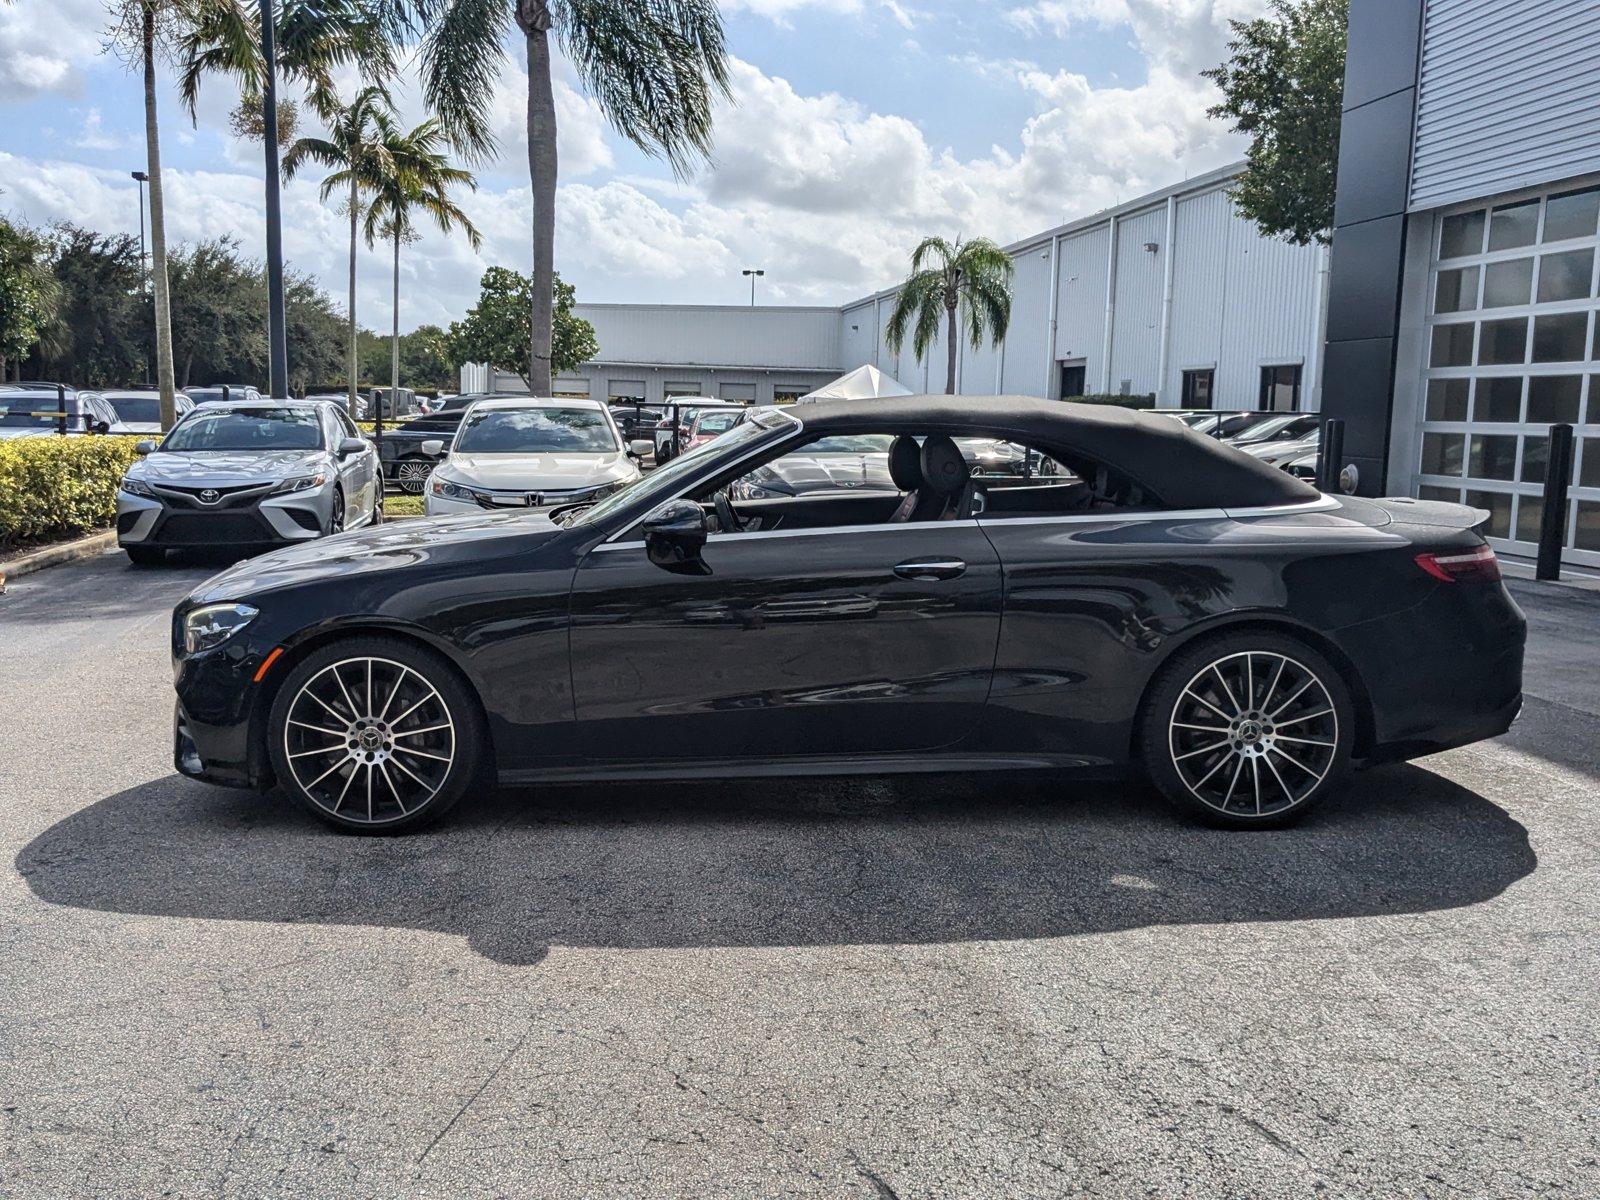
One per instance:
(462,53)
(931,246)
(655,67)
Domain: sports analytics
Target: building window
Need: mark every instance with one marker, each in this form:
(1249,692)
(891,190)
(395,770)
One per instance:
(1197,387)
(743,393)
(1493,385)
(681,389)
(788,393)
(625,391)
(1074,379)
(1280,389)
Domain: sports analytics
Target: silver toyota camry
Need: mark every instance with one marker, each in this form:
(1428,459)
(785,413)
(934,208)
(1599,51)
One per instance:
(247,476)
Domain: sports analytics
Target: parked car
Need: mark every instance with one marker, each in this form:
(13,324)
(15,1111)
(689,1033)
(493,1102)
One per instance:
(1279,452)
(1304,467)
(710,423)
(1226,425)
(406,461)
(139,411)
(223,393)
(637,420)
(687,409)
(395,407)
(524,452)
(850,462)
(36,385)
(1170,605)
(247,475)
(37,413)
(1277,427)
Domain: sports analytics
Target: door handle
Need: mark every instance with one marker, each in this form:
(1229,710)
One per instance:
(930,569)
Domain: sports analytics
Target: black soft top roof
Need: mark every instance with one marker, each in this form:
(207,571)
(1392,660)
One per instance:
(1162,455)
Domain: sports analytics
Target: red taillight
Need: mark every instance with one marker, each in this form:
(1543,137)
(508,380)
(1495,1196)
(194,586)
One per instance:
(1470,566)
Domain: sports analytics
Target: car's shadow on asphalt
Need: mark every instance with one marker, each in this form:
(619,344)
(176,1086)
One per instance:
(910,859)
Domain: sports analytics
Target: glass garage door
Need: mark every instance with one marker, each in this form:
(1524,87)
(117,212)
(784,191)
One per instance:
(1514,347)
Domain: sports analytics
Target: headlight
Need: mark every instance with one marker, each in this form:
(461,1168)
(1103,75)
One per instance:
(452,491)
(751,491)
(583,495)
(208,627)
(136,487)
(303,484)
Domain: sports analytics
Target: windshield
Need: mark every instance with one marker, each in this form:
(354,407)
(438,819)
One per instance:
(718,422)
(852,443)
(138,409)
(661,483)
(16,412)
(246,429)
(1266,430)
(536,431)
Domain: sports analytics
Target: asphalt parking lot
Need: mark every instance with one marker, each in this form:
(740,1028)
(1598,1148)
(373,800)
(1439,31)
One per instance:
(1002,986)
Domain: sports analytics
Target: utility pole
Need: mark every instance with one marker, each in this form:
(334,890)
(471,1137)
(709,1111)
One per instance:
(140,179)
(753,274)
(277,331)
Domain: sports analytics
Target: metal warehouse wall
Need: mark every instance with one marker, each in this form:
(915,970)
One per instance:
(1081,302)
(1505,97)
(1136,341)
(715,335)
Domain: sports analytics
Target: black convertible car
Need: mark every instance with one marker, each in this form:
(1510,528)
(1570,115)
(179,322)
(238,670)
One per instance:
(1162,602)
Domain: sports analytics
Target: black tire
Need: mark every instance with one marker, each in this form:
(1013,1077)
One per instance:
(335,513)
(329,773)
(145,556)
(1259,709)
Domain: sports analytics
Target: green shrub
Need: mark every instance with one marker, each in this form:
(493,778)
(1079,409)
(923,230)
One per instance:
(59,487)
(1116,400)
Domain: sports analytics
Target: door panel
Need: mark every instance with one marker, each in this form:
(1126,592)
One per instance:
(796,644)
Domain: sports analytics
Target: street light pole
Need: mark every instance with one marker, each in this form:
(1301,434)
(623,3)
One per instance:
(277,334)
(753,273)
(140,179)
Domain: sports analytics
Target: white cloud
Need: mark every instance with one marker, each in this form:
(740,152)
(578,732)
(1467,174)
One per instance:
(1180,36)
(45,47)
(95,137)
(780,11)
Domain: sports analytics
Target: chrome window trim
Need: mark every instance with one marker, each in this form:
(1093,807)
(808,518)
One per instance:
(791,533)
(1111,516)
(1320,504)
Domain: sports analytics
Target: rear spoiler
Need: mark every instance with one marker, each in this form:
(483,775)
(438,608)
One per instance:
(1437,514)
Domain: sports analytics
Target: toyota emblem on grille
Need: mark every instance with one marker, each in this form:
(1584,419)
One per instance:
(210,496)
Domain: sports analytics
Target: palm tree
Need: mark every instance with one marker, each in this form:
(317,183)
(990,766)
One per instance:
(970,278)
(418,176)
(360,162)
(653,66)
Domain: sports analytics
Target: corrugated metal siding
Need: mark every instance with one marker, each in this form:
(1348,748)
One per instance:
(1027,349)
(1136,336)
(1081,311)
(715,336)
(1506,97)
(1199,286)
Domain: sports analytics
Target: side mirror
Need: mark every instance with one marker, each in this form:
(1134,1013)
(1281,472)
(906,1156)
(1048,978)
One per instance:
(144,447)
(433,447)
(639,447)
(350,447)
(674,535)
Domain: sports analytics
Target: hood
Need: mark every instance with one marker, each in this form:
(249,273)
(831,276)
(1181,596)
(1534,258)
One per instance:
(803,473)
(412,544)
(227,466)
(536,472)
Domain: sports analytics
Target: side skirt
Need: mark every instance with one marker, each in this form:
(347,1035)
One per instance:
(745,768)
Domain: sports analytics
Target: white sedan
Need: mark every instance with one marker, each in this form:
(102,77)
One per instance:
(525,452)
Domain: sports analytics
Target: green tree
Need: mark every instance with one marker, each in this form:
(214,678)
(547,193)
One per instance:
(355,155)
(495,330)
(1283,85)
(315,329)
(965,279)
(101,337)
(654,67)
(218,314)
(417,178)
(30,295)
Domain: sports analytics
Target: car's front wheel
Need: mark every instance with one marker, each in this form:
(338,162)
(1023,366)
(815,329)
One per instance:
(375,735)
(412,475)
(1248,730)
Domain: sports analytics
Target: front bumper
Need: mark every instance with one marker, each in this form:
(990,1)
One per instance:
(260,520)
(220,714)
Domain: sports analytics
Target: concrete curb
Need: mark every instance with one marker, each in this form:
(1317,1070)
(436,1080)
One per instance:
(89,547)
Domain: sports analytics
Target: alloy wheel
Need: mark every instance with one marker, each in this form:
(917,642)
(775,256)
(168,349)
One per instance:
(369,740)
(1253,734)
(336,520)
(413,477)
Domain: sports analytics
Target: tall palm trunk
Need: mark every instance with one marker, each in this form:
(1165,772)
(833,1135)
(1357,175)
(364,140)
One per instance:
(350,361)
(950,346)
(534,18)
(158,223)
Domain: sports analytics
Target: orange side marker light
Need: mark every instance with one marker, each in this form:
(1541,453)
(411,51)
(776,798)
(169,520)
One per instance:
(266,664)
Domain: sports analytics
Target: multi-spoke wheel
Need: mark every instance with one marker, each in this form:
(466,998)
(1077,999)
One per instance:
(1248,730)
(412,475)
(374,735)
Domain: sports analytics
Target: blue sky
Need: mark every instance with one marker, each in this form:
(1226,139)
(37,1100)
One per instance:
(857,127)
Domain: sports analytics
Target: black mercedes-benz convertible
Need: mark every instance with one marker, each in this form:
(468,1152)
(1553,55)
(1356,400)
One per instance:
(1155,601)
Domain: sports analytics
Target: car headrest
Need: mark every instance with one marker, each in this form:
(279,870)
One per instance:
(943,468)
(905,463)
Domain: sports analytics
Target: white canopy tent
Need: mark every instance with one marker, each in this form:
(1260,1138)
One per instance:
(864,383)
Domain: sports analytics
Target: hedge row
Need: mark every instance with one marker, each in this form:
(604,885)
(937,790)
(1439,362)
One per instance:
(59,487)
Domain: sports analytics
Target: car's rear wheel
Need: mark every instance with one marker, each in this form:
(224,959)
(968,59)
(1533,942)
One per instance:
(1248,731)
(145,556)
(375,735)
(412,475)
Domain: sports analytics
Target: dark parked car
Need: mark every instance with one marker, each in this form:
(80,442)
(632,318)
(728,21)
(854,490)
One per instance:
(637,421)
(1170,604)
(25,413)
(405,462)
